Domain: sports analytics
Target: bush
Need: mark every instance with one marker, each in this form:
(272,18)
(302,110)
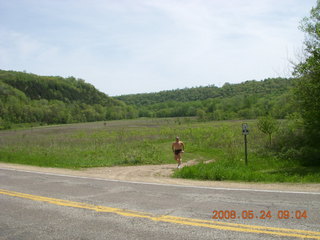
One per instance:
(292,143)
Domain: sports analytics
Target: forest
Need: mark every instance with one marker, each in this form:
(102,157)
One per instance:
(247,100)
(29,98)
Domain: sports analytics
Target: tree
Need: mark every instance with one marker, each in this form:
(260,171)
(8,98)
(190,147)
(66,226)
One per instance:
(201,114)
(307,89)
(268,125)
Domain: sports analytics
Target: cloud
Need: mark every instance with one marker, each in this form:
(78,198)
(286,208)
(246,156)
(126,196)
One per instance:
(16,47)
(149,45)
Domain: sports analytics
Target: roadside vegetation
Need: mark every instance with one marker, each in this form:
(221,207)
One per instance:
(148,141)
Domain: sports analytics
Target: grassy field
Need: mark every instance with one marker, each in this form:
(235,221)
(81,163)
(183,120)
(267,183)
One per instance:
(148,141)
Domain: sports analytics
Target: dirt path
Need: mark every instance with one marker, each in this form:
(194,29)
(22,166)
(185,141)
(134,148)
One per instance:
(160,174)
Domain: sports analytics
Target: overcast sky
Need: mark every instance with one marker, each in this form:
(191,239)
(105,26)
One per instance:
(135,46)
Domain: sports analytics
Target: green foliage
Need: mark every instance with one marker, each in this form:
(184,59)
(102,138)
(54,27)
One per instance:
(148,141)
(311,26)
(55,88)
(292,143)
(28,98)
(275,86)
(307,87)
(268,125)
(201,114)
(179,95)
(91,144)
(307,92)
(258,171)
(247,100)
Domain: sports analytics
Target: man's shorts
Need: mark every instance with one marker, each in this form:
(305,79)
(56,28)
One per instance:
(177,151)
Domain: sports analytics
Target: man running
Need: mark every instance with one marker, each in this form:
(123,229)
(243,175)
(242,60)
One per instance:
(178,149)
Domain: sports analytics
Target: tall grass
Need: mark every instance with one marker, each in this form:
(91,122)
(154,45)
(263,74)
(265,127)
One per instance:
(91,145)
(259,170)
(148,141)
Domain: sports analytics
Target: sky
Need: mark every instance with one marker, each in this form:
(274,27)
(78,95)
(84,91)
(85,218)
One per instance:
(137,46)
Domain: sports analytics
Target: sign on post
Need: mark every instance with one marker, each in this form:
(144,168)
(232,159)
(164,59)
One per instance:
(245,132)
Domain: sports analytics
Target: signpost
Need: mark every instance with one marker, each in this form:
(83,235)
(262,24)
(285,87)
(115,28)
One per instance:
(245,132)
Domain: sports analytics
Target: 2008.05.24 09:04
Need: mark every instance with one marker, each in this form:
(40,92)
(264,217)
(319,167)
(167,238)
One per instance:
(250,214)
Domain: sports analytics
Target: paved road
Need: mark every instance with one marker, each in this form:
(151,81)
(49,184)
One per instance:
(48,206)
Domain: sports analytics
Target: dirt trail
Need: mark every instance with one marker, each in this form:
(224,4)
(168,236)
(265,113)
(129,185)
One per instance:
(161,174)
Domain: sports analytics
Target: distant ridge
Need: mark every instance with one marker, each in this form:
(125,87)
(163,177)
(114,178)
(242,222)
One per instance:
(30,98)
(246,100)
(267,86)
(67,90)
(27,98)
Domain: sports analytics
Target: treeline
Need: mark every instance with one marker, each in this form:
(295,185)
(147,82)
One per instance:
(29,98)
(268,86)
(247,100)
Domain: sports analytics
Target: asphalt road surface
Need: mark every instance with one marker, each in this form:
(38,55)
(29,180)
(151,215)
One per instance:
(50,206)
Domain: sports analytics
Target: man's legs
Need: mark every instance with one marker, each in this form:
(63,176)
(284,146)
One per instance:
(179,160)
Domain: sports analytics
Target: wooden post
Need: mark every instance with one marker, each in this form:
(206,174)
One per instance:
(246,149)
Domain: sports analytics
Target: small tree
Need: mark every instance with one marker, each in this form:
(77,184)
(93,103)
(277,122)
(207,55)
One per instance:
(268,125)
(201,114)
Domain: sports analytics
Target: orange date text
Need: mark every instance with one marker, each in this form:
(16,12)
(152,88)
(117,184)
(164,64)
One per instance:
(263,214)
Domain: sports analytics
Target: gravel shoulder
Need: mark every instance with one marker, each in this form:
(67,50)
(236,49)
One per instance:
(161,174)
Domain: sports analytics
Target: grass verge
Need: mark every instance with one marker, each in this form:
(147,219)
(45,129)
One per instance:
(148,141)
(254,172)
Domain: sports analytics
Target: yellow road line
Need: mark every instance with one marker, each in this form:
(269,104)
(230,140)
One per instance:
(172,219)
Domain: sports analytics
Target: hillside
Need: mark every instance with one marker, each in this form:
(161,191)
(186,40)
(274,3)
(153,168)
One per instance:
(250,99)
(56,88)
(30,98)
(27,98)
(276,86)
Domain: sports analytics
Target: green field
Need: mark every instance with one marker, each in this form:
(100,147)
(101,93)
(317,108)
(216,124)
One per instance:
(148,141)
